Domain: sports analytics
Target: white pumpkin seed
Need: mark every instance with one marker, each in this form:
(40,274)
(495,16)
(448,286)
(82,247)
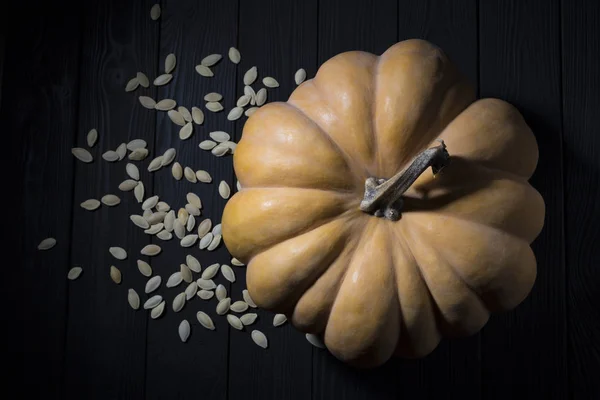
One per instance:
(133,172)
(169,220)
(300,76)
(259,338)
(156,217)
(235,113)
(250,111)
(92,137)
(250,76)
(165,105)
(219,136)
(192,210)
(136,144)
(90,204)
(279,319)
(238,185)
(153,283)
(110,200)
(223,306)
(213,96)
(191,290)
(138,192)
(190,175)
(82,154)
(158,310)
(203,70)
(118,252)
(220,150)
(133,299)
(179,302)
(155,164)
(168,157)
(203,176)
(186,131)
(179,229)
(187,116)
(177,171)
(224,189)
(115,274)
(235,322)
(228,273)
(189,240)
(261,97)
(191,222)
(174,280)
(162,206)
(205,320)
(121,151)
(186,273)
(206,284)
(234,55)
(154,229)
(155,12)
(138,154)
(204,227)
(248,91)
(184,330)
(131,85)
(248,299)
(151,250)
(147,102)
(214,243)
(144,268)
(243,100)
(211,60)
(139,221)
(150,202)
(164,235)
(249,318)
(182,216)
(270,82)
(214,106)
(193,263)
(110,156)
(221,292)
(170,62)
(206,294)
(176,117)
(143,79)
(147,214)
(236,262)
(197,116)
(207,144)
(152,302)
(239,306)
(315,340)
(217,230)
(193,199)
(205,241)
(74,273)
(210,271)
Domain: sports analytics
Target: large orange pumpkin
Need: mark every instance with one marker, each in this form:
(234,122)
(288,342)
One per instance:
(347,230)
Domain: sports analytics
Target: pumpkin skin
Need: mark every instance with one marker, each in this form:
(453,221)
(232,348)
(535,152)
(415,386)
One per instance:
(375,288)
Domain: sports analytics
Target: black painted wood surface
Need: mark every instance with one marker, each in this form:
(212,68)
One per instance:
(63,72)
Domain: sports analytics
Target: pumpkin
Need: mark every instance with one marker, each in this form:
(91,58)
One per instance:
(347,230)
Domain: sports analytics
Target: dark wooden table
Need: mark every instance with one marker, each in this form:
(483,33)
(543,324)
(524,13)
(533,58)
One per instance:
(64,70)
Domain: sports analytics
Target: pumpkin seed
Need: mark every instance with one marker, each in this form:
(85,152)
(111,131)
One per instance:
(131,85)
(220,150)
(191,290)
(219,136)
(236,262)
(189,240)
(133,172)
(300,76)
(214,243)
(216,230)
(315,340)
(90,204)
(110,200)
(155,12)
(144,268)
(174,280)
(235,113)
(133,299)
(192,210)
(239,306)
(243,100)
(156,217)
(211,60)
(248,299)
(110,156)
(168,157)
(162,206)
(207,144)
(190,175)
(143,79)
(154,229)
(147,102)
(138,192)
(213,96)
(186,273)
(250,111)
(206,284)
(136,144)
(155,164)
(205,320)
(214,106)
(147,214)
(221,292)
(151,250)
(248,91)
(193,199)
(170,62)
(228,273)
(92,137)
(193,263)
(187,116)
(235,322)
(224,189)
(223,306)
(234,55)
(164,235)
(82,154)
(153,283)
(184,330)
(261,97)
(186,131)
(203,70)
(210,271)
(206,294)
(259,338)
(270,82)
(165,105)
(152,302)
(150,202)
(74,273)
(177,171)
(138,154)
(121,151)
(179,229)
(115,274)
(279,319)
(231,145)
(139,221)
(250,76)
(206,240)
(249,318)
(197,116)
(238,185)
(204,227)
(176,117)
(118,252)
(157,311)
(191,222)
(179,302)
(169,220)
(203,176)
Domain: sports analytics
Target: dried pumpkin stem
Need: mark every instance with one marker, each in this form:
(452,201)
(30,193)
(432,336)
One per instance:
(383,198)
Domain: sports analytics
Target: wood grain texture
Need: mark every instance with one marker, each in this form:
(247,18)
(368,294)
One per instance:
(581,150)
(39,124)
(277,37)
(520,63)
(191,31)
(106,339)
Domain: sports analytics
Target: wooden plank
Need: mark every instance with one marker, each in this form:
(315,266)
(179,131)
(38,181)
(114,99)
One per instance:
(40,123)
(520,63)
(192,30)
(106,339)
(277,37)
(581,149)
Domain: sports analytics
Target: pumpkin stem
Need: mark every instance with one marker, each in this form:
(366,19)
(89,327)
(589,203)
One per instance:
(383,198)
